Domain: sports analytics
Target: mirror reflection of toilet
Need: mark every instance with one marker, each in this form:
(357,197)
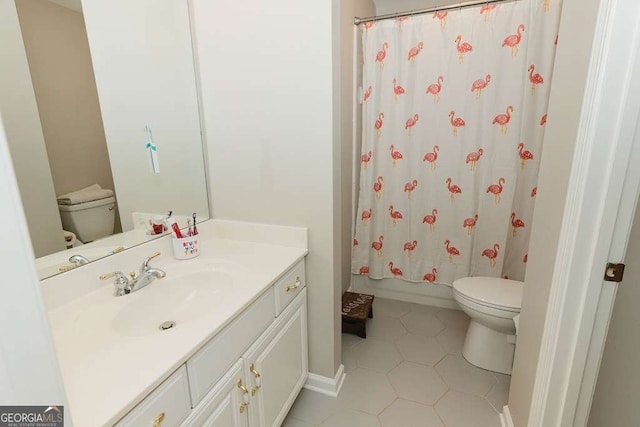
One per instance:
(492,303)
(88,213)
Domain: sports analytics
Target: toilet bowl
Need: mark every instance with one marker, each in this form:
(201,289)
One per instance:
(89,221)
(491,303)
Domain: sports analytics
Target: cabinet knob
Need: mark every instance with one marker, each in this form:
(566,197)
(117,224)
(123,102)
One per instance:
(258,379)
(294,287)
(157,422)
(245,392)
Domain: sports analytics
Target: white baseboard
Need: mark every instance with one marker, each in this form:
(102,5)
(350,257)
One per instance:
(325,385)
(505,417)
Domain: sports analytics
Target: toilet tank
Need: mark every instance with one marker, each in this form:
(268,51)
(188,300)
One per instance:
(91,220)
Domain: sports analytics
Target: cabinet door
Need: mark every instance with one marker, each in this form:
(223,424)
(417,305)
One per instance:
(226,405)
(276,366)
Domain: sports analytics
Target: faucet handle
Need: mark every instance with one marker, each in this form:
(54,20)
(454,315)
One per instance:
(122,284)
(145,263)
(120,277)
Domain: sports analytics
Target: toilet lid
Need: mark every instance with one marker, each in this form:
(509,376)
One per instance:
(491,290)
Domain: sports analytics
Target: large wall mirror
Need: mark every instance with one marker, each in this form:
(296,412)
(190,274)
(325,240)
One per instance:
(100,106)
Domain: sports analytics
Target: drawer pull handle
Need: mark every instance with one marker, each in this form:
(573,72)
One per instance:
(159,419)
(294,287)
(258,379)
(245,392)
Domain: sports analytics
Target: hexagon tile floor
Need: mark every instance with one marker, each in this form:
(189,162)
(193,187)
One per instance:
(409,372)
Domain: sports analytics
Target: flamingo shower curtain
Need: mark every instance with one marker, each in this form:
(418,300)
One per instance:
(454,114)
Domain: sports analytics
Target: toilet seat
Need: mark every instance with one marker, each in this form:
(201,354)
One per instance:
(491,292)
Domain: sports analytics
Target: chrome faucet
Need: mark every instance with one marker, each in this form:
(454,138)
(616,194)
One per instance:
(78,260)
(146,275)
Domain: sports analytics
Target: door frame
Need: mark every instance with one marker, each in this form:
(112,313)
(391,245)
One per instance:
(601,198)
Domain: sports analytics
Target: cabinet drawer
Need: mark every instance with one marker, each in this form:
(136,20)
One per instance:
(171,398)
(289,287)
(209,364)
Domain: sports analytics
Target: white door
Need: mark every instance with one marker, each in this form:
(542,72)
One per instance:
(618,386)
(276,367)
(225,405)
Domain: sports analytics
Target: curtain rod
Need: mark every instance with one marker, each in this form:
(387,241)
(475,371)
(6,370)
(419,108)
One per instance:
(358,21)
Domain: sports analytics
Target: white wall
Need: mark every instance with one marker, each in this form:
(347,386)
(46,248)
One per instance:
(29,373)
(577,27)
(395,6)
(22,123)
(266,81)
(143,63)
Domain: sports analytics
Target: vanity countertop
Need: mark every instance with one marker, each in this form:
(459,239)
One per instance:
(110,361)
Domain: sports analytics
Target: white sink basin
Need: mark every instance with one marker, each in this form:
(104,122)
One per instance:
(180,299)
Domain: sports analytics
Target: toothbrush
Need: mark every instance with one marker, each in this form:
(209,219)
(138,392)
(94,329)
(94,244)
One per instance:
(195,230)
(189,233)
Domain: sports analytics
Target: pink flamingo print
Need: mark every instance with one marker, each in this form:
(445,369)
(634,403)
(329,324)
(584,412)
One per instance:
(395,155)
(366,216)
(473,158)
(514,40)
(379,123)
(524,155)
(367,93)
(496,189)
(364,270)
(456,122)
(534,191)
(453,190)
(486,9)
(410,247)
(543,120)
(369,24)
(451,250)
(535,79)
(431,220)
(410,186)
(411,122)
(479,85)
(377,187)
(516,223)
(431,277)
(435,88)
(492,254)
(397,91)
(442,17)
(432,157)
(414,51)
(366,158)
(462,48)
(470,224)
(382,54)
(394,270)
(377,245)
(503,120)
(395,215)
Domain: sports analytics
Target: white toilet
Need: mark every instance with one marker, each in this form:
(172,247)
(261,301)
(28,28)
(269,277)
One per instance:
(492,303)
(89,221)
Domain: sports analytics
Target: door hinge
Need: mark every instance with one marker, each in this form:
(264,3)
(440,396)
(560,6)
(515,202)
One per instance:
(614,272)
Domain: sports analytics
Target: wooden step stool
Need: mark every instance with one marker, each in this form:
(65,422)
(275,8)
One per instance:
(356,309)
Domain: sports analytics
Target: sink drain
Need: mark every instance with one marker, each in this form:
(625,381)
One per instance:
(167,325)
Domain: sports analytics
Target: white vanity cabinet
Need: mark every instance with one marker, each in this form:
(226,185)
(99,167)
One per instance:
(276,366)
(268,372)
